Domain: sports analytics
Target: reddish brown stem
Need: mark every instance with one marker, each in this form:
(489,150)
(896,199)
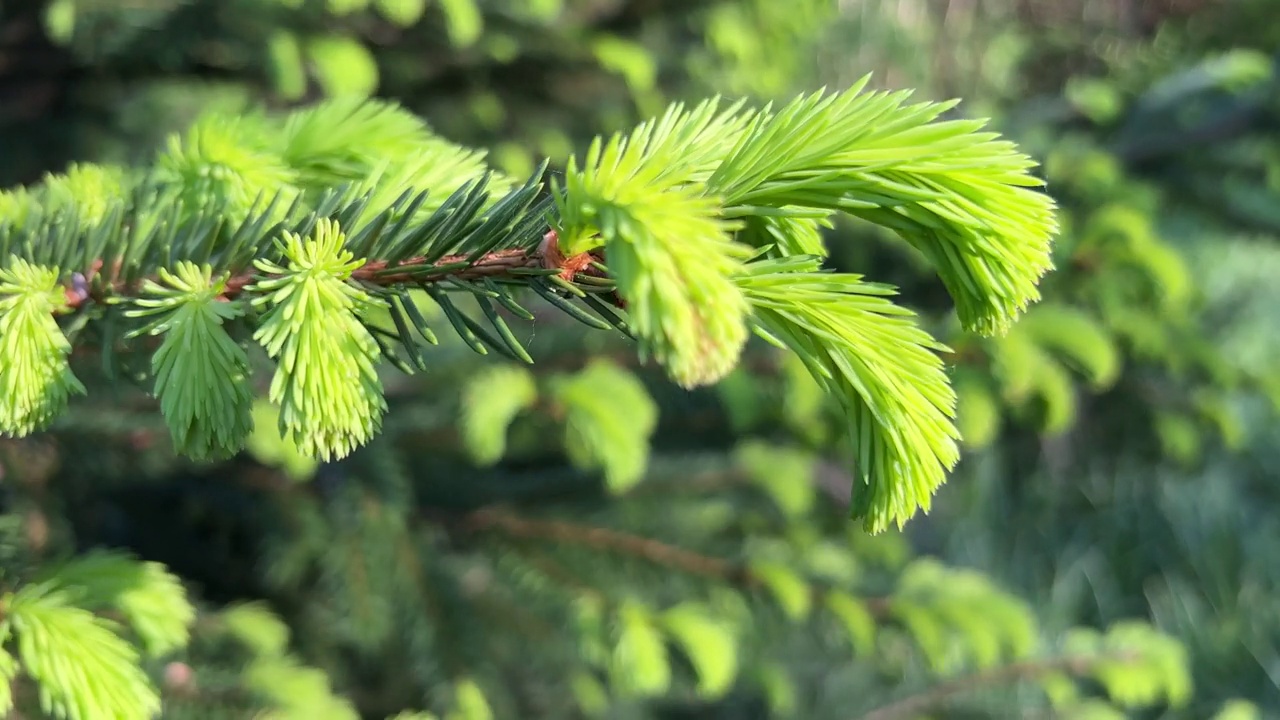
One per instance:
(648,549)
(495,264)
(654,551)
(939,695)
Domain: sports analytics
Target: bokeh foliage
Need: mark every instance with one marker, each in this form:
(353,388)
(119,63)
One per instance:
(695,558)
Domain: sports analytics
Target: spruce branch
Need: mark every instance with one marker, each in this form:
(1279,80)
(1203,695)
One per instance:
(150,600)
(637,546)
(881,368)
(191,321)
(1017,672)
(686,234)
(505,265)
(667,202)
(654,551)
(1135,664)
(326,383)
(35,377)
(82,667)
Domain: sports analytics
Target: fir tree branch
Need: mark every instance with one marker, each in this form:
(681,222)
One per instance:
(912,706)
(365,204)
(654,551)
(496,265)
(648,549)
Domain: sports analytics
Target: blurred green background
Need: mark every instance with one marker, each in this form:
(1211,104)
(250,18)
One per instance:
(1122,442)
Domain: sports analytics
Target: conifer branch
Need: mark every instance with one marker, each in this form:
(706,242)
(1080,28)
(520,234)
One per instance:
(701,225)
(914,705)
(509,265)
(647,549)
(654,551)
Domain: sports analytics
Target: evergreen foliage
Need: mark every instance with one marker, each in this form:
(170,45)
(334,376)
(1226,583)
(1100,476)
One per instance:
(83,665)
(660,220)
(632,198)
(580,536)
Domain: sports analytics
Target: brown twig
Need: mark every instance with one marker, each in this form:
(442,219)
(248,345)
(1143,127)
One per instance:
(648,549)
(913,705)
(499,263)
(654,551)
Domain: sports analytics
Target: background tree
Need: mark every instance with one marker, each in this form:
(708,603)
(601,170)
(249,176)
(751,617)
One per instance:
(698,542)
